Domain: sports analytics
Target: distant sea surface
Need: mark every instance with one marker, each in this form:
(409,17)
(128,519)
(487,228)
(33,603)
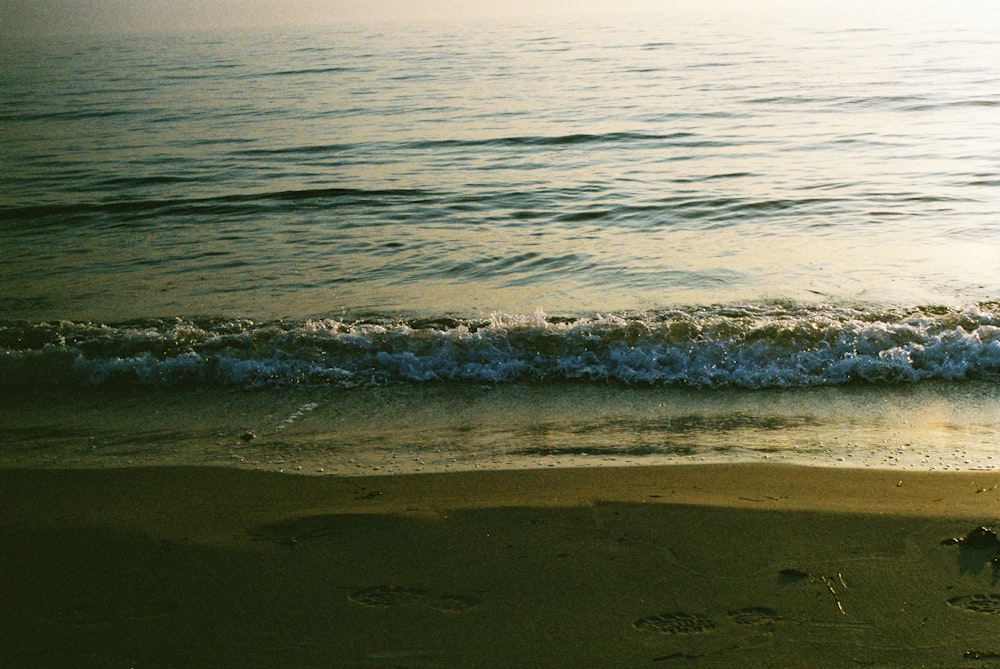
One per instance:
(691,200)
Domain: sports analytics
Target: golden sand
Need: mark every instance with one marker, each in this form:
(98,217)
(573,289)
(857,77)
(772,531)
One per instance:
(707,566)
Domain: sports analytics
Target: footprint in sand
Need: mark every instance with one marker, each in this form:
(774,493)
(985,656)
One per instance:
(754,615)
(453,603)
(979,603)
(675,622)
(384,596)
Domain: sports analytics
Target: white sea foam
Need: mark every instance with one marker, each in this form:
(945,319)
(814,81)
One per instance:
(296,415)
(744,346)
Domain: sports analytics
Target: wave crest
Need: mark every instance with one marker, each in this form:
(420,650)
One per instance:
(718,347)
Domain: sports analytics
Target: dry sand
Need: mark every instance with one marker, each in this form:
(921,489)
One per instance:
(686,566)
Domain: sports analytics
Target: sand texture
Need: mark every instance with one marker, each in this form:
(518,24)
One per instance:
(687,566)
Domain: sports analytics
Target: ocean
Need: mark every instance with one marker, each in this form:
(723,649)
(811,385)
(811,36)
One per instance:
(672,236)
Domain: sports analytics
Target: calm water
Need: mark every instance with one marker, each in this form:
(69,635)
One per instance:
(575,165)
(690,200)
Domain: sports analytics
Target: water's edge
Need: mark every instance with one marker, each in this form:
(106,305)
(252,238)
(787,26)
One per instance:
(408,428)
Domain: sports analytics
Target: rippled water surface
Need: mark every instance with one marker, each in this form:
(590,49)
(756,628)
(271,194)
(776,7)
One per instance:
(574,164)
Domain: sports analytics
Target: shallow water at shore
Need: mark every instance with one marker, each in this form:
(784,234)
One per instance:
(450,427)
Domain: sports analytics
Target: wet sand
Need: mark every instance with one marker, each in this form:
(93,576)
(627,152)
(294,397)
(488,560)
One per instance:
(707,566)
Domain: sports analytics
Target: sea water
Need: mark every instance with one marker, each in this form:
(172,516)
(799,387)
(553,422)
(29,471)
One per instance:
(676,235)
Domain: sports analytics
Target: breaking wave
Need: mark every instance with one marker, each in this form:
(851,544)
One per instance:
(755,347)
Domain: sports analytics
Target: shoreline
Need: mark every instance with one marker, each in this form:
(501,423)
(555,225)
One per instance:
(706,565)
(456,426)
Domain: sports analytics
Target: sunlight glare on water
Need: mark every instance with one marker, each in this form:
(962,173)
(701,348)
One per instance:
(582,163)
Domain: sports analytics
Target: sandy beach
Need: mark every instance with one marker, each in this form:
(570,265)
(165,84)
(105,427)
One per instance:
(707,566)
(499,334)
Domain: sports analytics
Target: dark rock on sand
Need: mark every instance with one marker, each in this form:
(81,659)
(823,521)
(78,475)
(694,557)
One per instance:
(981,538)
